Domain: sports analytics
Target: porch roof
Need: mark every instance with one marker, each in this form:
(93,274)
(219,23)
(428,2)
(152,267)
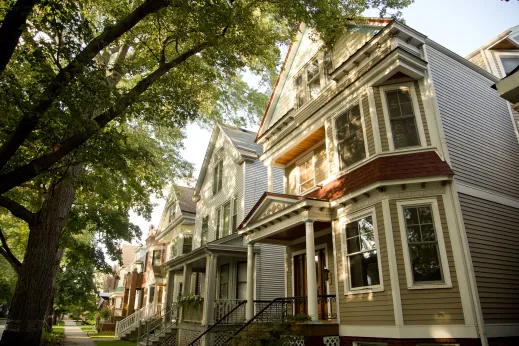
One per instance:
(204,251)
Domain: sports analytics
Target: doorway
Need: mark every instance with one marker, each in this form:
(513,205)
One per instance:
(300,283)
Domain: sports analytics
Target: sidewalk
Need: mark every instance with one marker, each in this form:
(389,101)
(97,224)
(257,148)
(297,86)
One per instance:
(74,336)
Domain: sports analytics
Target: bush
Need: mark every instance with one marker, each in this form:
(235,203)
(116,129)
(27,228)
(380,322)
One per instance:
(105,313)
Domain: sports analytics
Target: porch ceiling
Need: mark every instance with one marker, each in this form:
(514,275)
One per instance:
(302,146)
(297,232)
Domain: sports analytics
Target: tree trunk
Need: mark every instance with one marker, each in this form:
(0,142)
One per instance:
(50,307)
(34,287)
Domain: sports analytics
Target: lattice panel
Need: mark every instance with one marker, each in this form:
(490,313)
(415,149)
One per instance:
(292,340)
(331,341)
(220,338)
(171,340)
(186,336)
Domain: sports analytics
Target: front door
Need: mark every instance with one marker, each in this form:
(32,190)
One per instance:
(300,283)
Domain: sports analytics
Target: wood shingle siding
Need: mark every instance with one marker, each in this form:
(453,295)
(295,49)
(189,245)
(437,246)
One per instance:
(493,235)
(427,306)
(370,141)
(483,147)
(366,308)
(380,118)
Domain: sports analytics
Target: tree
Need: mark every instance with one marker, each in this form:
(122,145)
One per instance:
(94,96)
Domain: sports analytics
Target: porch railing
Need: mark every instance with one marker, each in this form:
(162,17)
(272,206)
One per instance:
(222,307)
(132,321)
(157,325)
(192,314)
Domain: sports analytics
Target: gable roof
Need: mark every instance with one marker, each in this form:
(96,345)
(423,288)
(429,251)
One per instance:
(242,145)
(499,38)
(287,65)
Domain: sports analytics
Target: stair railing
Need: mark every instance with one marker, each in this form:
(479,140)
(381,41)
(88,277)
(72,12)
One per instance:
(220,322)
(155,324)
(127,323)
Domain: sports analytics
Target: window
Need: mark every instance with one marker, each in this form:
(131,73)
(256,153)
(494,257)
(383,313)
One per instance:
(217,176)
(156,257)
(423,244)
(306,174)
(174,249)
(425,257)
(309,82)
(362,254)
(234,214)
(205,231)
(509,63)
(218,220)
(171,213)
(152,295)
(146,261)
(226,222)
(241,281)
(224,281)
(187,244)
(350,138)
(402,118)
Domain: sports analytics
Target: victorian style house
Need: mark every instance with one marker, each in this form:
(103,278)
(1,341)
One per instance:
(401,192)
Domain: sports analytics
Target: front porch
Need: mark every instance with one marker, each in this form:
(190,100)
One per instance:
(303,226)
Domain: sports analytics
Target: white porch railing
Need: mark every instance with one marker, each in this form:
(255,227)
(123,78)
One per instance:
(223,306)
(132,321)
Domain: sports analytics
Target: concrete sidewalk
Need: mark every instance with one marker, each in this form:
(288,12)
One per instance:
(74,336)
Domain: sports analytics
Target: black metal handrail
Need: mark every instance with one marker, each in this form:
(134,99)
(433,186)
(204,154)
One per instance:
(152,327)
(217,323)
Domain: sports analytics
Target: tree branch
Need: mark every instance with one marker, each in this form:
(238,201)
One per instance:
(16,209)
(31,119)
(44,162)
(8,255)
(12,28)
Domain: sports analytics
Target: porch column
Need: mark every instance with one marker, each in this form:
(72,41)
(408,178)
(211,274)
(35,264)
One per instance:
(270,186)
(210,280)
(186,285)
(249,308)
(310,271)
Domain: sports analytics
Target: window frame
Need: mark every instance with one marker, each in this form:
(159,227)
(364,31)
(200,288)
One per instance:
(159,251)
(228,280)
(433,202)
(238,282)
(357,101)
(234,214)
(204,219)
(417,115)
(218,176)
(504,54)
(345,258)
(305,158)
(320,58)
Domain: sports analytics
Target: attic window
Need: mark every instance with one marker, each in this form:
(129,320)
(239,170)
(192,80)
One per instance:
(509,63)
(217,176)
(309,82)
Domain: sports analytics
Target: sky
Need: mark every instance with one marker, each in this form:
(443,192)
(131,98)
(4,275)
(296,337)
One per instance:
(459,25)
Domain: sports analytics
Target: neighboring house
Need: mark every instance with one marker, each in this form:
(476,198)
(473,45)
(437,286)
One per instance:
(116,282)
(400,211)
(176,229)
(500,57)
(231,179)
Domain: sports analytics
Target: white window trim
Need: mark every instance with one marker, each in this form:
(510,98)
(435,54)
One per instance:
(214,167)
(319,56)
(357,101)
(504,54)
(308,156)
(439,236)
(345,259)
(416,109)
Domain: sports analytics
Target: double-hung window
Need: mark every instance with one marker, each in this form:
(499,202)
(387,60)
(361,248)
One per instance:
(313,79)
(309,82)
(217,176)
(423,244)
(362,257)
(218,221)
(350,137)
(234,214)
(156,257)
(306,174)
(402,118)
(171,213)
(226,220)
(205,231)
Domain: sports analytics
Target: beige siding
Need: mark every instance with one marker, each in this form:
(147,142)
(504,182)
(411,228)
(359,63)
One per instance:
(380,118)
(428,306)
(367,308)
(496,62)
(290,176)
(290,250)
(321,163)
(478,61)
(493,235)
(369,128)
(422,113)
(348,44)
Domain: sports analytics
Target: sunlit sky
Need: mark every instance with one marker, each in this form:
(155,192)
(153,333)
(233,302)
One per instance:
(459,25)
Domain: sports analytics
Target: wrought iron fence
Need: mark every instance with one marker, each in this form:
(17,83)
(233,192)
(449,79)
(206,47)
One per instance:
(222,307)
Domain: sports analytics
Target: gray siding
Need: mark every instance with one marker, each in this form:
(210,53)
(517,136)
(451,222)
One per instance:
(493,235)
(270,272)
(483,148)
(255,184)
(278,175)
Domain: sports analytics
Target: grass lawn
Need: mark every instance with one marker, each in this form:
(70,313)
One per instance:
(87,328)
(115,343)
